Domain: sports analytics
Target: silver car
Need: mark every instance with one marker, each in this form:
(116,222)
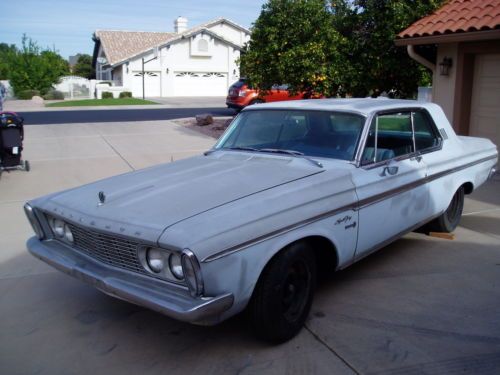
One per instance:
(290,190)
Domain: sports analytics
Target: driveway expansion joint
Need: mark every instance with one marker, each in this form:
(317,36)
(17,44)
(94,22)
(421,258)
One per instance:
(330,349)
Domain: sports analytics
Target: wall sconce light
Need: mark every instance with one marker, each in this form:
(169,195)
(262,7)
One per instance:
(234,72)
(168,71)
(445,65)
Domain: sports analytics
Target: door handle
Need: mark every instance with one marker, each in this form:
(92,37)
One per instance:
(389,170)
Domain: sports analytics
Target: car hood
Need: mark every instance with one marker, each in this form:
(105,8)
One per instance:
(158,197)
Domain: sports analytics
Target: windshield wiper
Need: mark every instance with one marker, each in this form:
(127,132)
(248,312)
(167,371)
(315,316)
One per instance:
(293,153)
(243,149)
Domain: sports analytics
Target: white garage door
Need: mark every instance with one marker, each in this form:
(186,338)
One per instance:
(152,84)
(200,84)
(485,104)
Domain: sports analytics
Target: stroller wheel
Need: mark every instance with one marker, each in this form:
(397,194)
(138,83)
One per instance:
(26,165)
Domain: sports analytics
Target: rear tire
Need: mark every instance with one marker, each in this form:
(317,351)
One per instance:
(449,220)
(283,296)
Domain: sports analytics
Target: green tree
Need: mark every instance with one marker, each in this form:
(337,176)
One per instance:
(31,68)
(83,67)
(293,42)
(5,51)
(370,26)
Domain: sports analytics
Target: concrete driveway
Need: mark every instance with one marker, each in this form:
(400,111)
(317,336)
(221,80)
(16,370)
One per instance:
(420,306)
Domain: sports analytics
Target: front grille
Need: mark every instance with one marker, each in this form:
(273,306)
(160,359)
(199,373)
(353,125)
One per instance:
(108,249)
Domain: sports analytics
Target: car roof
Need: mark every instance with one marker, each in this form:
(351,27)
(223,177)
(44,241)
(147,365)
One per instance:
(364,106)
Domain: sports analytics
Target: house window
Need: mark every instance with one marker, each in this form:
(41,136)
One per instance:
(202,45)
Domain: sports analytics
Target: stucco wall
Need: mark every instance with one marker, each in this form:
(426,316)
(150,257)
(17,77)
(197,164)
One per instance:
(443,92)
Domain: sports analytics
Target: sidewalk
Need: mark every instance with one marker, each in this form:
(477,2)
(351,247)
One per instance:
(174,102)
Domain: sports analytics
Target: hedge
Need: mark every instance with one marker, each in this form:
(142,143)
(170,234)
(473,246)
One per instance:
(125,94)
(27,94)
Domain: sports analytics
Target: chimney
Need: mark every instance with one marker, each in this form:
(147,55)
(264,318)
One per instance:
(180,24)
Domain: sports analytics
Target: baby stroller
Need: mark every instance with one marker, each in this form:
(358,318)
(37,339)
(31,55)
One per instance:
(11,142)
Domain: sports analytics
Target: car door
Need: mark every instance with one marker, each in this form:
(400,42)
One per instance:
(390,182)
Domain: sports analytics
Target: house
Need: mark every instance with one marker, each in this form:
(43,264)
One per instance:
(200,61)
(466,67)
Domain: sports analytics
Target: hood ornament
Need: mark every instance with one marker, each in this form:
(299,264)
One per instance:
(102,198)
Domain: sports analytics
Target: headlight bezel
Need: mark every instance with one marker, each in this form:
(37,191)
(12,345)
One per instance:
(190,264)
(34,221)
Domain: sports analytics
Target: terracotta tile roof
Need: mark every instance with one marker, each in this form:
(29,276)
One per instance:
(457,16)
(122,45)
(118,45)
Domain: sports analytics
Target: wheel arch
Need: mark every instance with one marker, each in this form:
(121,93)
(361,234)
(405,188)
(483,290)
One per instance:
(468,187)
(325,251)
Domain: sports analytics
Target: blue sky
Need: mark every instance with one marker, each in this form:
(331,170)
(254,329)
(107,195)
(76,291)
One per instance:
(68,24)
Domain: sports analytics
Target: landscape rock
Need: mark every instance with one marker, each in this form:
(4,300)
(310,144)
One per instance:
(37,99)
(204,119)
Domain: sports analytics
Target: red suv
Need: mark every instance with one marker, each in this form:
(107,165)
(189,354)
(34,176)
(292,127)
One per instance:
(242,94)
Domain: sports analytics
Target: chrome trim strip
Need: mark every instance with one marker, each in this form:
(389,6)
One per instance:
(277,232)
(352,206)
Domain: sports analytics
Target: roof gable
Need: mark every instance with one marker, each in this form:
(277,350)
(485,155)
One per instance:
(457,16)
(120,46)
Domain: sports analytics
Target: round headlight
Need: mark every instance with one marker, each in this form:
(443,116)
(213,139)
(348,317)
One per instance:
(67,234)
(174,262)
(155,259)
(57,227)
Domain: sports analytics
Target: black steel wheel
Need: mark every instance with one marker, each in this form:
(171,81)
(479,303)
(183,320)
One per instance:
(283,296)
(450,219)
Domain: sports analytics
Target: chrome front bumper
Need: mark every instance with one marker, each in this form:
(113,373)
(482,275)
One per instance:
(169,299)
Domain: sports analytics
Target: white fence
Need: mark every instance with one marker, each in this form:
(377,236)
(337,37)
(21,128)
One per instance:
(74,87)
(8,87)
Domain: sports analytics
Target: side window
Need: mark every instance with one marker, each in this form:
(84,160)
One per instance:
(425,135)
(390,136)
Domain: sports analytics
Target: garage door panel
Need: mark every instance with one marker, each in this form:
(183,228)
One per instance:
(485,104)
(152,84)
(200,84)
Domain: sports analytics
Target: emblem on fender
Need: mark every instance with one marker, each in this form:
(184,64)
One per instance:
(102,197)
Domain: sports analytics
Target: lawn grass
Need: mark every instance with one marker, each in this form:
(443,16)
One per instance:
(100,102)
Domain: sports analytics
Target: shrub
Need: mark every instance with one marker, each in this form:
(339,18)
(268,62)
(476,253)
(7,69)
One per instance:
(27,94)
(125,94)
(107,95)
(54,95)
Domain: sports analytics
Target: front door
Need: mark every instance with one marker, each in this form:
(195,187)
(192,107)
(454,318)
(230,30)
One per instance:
(390,182)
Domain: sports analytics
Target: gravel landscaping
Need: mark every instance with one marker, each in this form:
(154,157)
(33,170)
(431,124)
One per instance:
(214,130)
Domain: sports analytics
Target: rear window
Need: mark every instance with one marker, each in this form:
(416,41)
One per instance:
(239,84)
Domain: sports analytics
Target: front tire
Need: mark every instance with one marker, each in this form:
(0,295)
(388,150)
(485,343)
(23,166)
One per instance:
(283,296)
(449,220)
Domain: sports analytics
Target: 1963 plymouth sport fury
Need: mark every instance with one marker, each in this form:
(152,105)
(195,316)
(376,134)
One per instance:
(289,190)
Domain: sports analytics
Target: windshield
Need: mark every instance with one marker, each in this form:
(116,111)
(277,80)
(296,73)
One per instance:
(311,133)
